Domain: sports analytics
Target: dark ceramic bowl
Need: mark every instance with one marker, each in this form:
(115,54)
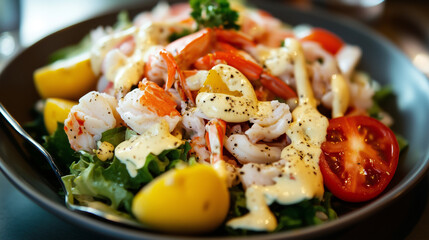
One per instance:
(385,63)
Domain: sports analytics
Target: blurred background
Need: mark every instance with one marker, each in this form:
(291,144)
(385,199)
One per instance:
(23,22)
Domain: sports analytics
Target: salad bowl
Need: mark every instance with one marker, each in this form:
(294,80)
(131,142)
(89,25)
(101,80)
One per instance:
(384,62)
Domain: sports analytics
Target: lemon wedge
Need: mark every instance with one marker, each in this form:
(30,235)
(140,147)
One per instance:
(56,110)
(69,78)
(193,199)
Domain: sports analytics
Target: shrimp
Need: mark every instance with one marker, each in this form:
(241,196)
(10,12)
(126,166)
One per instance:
(295,183)
(147,105)
(215,137)
(155,66)
(163,12)
(230,172)
(263,28)
(201,51)
(105,44)
(250,69)
(199,146)
(245,151)
(271,126)
(195,78)
(361,91)
(121,56)
(95,113)
(161,66)
(278,62)
(322,65)
(260,174)
(176,56)
(188,49)
(113,61)
(194,126)
(347,59)
(215,134)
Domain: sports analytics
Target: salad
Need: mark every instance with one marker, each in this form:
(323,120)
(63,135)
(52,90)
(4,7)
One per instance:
(215,116)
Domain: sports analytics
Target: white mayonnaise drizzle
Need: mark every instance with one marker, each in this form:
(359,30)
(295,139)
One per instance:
(127,71)
(232,108)
(133,152)
(300,176)
(340,95)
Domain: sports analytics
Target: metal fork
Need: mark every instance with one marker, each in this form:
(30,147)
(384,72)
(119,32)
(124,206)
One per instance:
(77,208)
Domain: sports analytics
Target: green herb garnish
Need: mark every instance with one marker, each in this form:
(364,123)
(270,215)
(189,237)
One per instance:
(214,13)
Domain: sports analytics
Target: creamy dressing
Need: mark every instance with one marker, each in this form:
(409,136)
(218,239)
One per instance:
(232,108)
(226,107)
(196,81)
(134,151)
(104,45)
(301,177)
(340,95)
(126,72)
(276,60)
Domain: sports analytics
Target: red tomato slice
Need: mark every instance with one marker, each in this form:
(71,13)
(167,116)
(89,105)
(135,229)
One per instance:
(329,41)
(359,158)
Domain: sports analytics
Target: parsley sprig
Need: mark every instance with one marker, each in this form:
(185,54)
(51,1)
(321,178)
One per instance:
(214,13)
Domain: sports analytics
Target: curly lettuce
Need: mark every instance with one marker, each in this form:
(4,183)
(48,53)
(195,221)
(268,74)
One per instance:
(109,182)
(376,110)
(59,147)
(306,213)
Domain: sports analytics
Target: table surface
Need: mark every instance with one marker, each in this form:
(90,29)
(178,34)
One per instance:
(20,218)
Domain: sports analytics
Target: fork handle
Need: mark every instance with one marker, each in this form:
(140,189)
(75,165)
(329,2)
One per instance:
(20,130)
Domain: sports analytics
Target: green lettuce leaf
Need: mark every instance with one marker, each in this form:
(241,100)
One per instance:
(36,128)
(306,213)
(402,142)
(59,147)
(379,96)
(71,51)
(91,179)
(154,166)
(114,136)
(374,111)
(91,182)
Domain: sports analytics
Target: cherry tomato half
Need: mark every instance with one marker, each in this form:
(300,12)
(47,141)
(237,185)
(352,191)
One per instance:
(359,158)
(329,41)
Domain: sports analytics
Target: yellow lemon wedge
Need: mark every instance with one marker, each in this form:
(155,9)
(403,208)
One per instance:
(190,200)
(214,84)
(69,78)
(56,110)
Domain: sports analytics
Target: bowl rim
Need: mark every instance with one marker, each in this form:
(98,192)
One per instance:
(104,227)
